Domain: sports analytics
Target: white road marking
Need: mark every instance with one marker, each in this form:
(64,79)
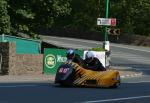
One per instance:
(139,82)
(129,76)
(14,86)
(117,99)
(143,69)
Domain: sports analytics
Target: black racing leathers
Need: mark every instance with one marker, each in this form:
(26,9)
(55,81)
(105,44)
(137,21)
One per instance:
(77,59)
(95,65)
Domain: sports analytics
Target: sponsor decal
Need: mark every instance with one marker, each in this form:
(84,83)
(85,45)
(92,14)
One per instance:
(50,61)
(63,70)
(61,58)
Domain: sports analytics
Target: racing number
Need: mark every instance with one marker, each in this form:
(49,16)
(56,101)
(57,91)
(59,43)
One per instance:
(63,70)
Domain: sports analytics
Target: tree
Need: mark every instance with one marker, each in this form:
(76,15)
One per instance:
(4,18)
(85,13)
(132,15)
(29,15)
(141,17)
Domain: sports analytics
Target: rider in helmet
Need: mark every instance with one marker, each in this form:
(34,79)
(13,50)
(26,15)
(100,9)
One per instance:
(92,62)
(72,56)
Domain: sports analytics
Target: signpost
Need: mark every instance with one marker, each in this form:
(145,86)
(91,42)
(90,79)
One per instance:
(113,21)
(106,21)
(113,31)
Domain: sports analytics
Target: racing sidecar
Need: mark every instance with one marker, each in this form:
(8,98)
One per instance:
(71,74)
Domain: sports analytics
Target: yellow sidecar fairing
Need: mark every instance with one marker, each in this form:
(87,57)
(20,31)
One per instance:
(109,78)
(84,77)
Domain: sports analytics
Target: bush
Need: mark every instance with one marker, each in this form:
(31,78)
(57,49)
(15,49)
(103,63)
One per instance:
(97,49)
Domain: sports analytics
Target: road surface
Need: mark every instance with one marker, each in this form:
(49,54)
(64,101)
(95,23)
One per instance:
(48,93)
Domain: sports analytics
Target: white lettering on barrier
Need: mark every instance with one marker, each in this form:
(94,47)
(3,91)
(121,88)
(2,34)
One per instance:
(61,58)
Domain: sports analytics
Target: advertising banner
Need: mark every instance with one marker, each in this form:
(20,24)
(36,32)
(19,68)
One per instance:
(53,58)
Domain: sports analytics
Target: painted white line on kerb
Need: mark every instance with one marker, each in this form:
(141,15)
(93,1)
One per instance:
(139,82)
(14,86)
(117,99)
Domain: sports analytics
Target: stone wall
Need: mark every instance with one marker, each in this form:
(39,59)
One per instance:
(17,64)
(28,64)
(12,57)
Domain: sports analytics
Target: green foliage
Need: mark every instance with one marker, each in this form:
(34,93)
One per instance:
(25,13)
(97,49)
(132,15)
(29,15)
(4,18)
(84,13)
(142,18)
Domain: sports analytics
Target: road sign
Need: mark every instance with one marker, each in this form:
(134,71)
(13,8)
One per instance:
(106,21)
(113,31)
(113,22)
(103,21)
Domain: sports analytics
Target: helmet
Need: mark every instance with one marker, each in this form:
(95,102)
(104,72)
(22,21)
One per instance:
(89,56)
(70,54)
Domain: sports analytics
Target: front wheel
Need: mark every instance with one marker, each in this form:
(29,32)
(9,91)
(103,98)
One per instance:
(117,84)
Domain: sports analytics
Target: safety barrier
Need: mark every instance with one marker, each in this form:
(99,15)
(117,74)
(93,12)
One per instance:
(23,45)
(53,58)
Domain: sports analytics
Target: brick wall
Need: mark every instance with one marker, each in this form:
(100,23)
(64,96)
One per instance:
(28,64)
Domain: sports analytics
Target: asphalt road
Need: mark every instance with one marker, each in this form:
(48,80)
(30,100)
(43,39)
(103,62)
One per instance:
(132,90)
(48,93)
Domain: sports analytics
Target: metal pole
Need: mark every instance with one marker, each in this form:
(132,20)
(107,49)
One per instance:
(107,9)
(106,34)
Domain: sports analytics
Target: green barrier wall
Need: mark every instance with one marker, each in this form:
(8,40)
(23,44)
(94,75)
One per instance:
(53,58)
(23,45)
